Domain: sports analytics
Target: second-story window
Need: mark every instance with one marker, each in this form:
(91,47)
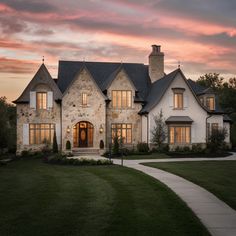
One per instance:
(210,103)
(178,100)
(84,99)
(41,100)
(121,98)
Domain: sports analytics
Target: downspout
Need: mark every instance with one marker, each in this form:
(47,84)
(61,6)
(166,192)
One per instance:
(206,126)
(61,122)
(147,129)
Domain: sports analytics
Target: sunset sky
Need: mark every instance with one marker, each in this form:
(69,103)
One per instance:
(201,34)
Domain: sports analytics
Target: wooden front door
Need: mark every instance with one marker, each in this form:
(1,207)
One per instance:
(83,137)
(83,134)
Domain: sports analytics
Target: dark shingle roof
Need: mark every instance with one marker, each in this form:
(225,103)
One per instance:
(198,89)
(157,90)
(103,73)
(42,76)
(179,119)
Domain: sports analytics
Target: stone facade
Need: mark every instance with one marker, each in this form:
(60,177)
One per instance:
(27,115)
(127,115)
(73,111)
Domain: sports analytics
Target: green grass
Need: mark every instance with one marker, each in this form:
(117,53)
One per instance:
(150,156)
(43,199)
(219,177)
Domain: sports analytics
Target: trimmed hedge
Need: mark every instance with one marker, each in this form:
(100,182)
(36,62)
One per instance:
(62,160)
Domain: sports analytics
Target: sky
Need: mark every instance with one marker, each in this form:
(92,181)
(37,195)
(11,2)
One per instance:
(200,34)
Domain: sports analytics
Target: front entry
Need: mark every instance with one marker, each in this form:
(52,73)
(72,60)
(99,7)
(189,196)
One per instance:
(83,134)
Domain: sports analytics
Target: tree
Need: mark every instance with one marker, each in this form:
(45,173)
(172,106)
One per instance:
(159,131)
(8,125)
(212,80)
(55,146)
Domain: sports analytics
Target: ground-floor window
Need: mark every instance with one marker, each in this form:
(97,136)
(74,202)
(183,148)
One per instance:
(123,131)
(41,133)
(179,134)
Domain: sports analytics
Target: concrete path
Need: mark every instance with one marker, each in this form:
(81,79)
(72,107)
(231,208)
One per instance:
(218,217)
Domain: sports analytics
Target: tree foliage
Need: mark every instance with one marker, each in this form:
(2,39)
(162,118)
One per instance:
(159,131)
(8,125)
(226,91)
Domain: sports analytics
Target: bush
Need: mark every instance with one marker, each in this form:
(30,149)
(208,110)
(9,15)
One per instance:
(101,145)
(197,148)
(186,149)
(62,160)
(68,145)
(55,146)
(216,142)
(116,145)
(142,147)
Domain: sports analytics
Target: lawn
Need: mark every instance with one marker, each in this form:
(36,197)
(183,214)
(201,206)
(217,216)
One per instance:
(219,177)
(42,199)
(154,155)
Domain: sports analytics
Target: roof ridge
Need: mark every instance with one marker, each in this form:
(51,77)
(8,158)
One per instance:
(102,62)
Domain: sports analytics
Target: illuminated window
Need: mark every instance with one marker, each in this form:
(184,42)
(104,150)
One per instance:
(121,98)
(84,99)
(179,135)
(123,131)
(178,100)
(210,103)
(41,99)
(41,133)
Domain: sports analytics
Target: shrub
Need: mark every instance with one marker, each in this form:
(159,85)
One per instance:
(216,140)
(116,145)
(55,146)
(68,145)
(186,149)
(142,147)
(197,148)
(101,145)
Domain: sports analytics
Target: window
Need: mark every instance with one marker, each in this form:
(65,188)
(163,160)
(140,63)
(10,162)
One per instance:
(179,134)
(122,130)
(121,98)
(178,100)
(41,133)
(41,100)
(84,99)
(210,103)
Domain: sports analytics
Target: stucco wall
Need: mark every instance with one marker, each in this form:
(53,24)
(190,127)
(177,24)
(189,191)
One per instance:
(73,111)
(128,115)
(191,109)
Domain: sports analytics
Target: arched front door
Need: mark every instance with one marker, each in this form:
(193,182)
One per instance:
(83,134)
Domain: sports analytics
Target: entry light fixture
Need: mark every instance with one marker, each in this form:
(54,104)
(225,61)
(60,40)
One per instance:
(68,129)
(101,129)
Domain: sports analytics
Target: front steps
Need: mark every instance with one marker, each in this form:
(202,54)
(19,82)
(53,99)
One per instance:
(85,151)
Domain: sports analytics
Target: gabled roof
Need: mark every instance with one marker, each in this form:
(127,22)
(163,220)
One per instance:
(42,76)
(103,73)
(157,90)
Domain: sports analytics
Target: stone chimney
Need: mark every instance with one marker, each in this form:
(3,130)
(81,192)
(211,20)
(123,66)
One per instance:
(156,63)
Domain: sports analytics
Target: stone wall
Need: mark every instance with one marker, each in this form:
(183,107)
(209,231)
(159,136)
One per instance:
(27,115)
(73,111)
(128,115)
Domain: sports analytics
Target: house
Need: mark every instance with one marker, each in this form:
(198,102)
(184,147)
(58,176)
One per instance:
(91,102)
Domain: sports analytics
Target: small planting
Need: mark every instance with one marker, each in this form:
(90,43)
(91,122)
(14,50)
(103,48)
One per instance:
(143,147)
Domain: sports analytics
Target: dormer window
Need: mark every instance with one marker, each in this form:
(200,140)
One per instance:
(84,99)
(210,103)
(41,100)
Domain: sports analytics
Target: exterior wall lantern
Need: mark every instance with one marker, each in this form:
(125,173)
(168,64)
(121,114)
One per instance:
(101,129)
(68,129)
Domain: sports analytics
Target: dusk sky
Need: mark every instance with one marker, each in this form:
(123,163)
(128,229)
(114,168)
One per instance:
(201,34)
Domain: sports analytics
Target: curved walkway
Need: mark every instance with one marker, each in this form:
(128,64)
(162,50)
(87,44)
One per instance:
(217,216)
